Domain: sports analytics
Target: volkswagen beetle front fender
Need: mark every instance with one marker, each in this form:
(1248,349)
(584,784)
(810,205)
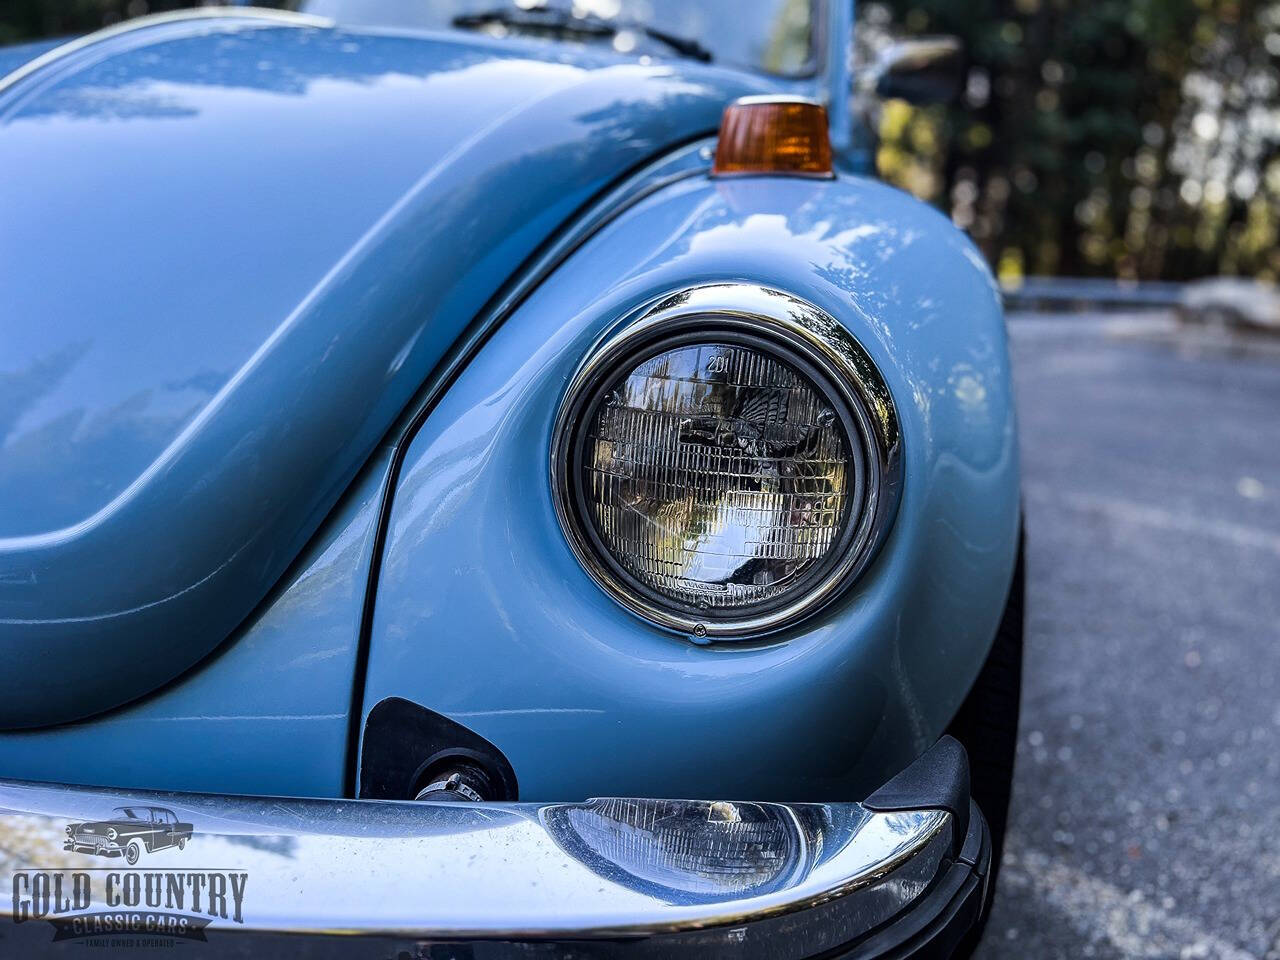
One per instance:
(484,614)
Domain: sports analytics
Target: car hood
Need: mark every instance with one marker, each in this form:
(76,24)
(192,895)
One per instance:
(102,826)
(234,247)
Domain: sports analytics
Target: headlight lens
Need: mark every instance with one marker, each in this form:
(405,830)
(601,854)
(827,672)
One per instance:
(720,471)
(716,475)
(688,851)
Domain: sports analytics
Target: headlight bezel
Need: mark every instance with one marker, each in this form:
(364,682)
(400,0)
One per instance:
(801,335)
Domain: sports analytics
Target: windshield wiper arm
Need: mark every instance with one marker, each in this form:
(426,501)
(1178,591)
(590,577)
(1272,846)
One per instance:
(560,22)
(685,46)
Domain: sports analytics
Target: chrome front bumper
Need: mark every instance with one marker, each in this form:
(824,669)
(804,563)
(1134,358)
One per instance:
(901,872)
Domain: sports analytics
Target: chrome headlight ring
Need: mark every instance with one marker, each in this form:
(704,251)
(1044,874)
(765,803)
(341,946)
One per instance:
(797,335)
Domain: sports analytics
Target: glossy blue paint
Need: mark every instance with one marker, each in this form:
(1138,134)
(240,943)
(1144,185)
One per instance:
(484,614)
(233,249)
(264,714)
(12,57)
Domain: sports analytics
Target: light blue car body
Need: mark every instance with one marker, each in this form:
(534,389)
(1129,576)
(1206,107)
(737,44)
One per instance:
(286,314)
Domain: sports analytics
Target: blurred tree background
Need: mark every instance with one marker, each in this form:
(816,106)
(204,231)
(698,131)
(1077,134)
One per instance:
(1131,138)
(36,19)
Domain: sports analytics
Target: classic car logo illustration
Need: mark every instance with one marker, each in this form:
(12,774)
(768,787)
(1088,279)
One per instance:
(130,832)
(142,907)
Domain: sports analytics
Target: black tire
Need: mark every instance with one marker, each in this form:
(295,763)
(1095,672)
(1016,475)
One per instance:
(133,852)
(987,725)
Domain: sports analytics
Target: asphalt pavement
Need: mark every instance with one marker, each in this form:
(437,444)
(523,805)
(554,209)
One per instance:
(1146,807)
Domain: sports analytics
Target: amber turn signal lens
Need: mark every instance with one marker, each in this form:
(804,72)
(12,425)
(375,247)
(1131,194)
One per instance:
(773,135)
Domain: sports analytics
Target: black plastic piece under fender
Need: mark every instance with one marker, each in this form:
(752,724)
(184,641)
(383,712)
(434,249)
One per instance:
(403,740)
(939,780)
(935,925)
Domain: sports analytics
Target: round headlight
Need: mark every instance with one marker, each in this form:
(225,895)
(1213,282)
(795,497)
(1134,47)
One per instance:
(727,461)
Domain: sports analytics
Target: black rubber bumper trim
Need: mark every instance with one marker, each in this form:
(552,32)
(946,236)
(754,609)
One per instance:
(935,925)
(938,780)
(937,922)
